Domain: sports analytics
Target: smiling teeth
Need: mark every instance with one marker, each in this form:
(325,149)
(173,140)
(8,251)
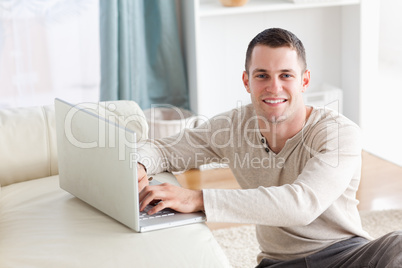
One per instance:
(274,101)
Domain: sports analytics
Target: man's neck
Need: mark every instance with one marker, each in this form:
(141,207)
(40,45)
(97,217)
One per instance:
(277,134)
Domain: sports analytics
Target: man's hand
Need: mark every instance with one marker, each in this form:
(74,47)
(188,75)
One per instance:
(171,196)
(142,177)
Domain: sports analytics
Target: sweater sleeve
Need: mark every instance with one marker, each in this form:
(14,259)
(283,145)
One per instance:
(334,166)
(190,148)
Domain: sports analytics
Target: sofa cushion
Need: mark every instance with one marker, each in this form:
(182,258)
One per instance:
(44,226)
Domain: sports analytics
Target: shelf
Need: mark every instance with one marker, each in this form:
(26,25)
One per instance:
(332,32)
(210,8)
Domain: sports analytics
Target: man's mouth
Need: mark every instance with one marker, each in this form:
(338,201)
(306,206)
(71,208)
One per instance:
(274,101)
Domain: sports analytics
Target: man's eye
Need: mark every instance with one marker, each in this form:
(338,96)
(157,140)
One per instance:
(261,76)
(286,76)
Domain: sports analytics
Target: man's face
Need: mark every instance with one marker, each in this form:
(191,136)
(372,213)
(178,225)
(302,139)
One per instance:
(276,82)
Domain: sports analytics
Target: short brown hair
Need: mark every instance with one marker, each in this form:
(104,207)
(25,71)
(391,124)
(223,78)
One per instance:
(277,37)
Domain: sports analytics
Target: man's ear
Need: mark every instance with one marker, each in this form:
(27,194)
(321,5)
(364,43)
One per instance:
(246,81)
(305,80)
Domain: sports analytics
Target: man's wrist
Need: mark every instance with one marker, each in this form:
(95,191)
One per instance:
(200,201)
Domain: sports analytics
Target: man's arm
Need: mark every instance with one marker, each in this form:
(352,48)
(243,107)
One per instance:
(186,150)
(332,172)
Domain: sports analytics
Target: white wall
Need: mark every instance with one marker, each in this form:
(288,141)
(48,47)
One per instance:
(382,106)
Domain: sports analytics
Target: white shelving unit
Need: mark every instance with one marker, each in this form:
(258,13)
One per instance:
(216,40)
(214,8)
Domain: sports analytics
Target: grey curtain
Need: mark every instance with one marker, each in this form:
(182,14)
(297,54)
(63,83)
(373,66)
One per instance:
(141,57)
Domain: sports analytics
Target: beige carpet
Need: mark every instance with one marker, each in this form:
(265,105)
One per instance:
(241,247)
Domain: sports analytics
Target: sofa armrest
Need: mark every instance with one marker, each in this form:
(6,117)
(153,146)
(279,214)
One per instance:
(27,144)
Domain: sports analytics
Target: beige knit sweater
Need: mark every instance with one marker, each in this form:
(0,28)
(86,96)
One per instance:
(302,199)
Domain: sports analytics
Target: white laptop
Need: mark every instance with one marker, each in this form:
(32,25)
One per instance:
(96,164)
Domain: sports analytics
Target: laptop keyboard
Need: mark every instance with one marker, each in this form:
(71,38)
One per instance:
(163,213)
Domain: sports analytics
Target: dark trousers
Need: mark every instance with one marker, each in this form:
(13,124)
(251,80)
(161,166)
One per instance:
(356,252)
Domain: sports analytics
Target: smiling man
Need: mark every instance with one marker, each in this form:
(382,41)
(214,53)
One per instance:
(276,77)
(299,167)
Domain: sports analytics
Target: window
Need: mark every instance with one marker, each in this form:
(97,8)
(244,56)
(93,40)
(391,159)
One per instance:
(48,49)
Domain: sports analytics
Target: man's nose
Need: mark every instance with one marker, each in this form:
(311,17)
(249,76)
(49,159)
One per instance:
(274,86)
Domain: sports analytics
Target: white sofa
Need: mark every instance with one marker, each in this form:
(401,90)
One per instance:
(41,225)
